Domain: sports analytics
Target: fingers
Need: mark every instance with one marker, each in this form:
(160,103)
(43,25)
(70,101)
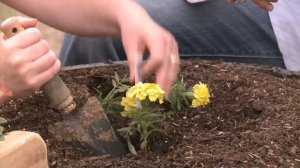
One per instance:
(43,63)
(133,49)
(46,75)
(164,71)
(163,61)
(175,61)
(27,22)
(158,50)
(40,71)
(27,59)
(25,38)
(28,55)
(34,51)
(161,46)
(168,74)
(265,4)
(33,74)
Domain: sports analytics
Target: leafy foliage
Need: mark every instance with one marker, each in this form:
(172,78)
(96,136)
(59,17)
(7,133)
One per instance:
(141,106)
(145,121)
(178,98)
(112,101)
(183,97)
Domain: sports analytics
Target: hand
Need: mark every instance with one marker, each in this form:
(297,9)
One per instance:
(26,62)
(140,33)
(265,4)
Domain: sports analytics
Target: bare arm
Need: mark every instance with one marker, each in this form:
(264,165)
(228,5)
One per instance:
(92,17)
(125,18)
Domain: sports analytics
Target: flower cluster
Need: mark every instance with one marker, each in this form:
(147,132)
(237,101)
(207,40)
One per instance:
(201,95)
(140,105)
(140,92)
(182,97)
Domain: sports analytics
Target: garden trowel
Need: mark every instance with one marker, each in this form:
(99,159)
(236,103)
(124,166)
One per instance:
(86,127)
(138,75)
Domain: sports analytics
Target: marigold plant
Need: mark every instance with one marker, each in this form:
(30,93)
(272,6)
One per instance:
(181,97)
(200,95)
(141,105)
(112,101)
(178,97)
(145,119)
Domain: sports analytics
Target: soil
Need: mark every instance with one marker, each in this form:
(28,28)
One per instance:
(253,119)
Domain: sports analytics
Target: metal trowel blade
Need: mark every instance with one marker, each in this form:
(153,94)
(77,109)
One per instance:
(90,130)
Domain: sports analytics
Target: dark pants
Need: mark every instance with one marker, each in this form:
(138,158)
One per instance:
(211,30)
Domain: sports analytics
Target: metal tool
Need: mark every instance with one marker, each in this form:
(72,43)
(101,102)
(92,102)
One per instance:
(138,67)
(138,75)
(85,127)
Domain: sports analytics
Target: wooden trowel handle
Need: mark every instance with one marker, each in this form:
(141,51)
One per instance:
(55,89)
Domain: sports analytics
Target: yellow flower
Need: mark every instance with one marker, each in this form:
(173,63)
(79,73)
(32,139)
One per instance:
(140,92)
(128,103)
(154,92)
(201,95)
(137,92)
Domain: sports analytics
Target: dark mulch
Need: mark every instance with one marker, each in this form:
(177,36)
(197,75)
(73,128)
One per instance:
(253,120)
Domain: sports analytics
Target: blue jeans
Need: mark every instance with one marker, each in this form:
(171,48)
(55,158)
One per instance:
(211,30)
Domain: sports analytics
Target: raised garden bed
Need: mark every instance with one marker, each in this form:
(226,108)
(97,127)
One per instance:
(253,119)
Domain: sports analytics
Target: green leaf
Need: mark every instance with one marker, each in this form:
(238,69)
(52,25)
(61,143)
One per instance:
(114,83)
(122,88)
(2,121)
(144,144)
(131,147)
(124,129)
(178,106)
(117,77)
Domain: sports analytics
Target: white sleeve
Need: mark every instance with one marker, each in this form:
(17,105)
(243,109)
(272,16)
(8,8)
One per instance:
(285,19)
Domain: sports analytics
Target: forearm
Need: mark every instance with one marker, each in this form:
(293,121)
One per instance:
(91,18)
